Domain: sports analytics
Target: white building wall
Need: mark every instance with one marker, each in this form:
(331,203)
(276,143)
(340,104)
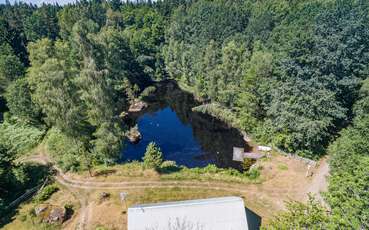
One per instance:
(227,213)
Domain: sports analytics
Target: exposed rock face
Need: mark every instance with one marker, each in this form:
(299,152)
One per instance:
(137,106)
(40,209)
(56,215)
(50,213)
(133,135)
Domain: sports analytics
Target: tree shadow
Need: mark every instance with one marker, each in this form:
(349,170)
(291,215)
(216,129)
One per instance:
(36,175)
(253,220)
(169,169)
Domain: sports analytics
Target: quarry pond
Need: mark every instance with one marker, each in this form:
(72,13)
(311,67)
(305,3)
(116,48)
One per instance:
(189,138)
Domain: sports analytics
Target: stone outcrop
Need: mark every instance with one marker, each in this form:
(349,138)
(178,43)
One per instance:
(51,213)
(137,106)
(133,135)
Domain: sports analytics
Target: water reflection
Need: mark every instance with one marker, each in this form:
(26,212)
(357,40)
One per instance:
(189,138)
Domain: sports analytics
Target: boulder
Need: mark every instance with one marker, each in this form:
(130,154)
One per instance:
(264,148)
(137,106)
(133,135)
(56,215)
(104,196)
(41,209)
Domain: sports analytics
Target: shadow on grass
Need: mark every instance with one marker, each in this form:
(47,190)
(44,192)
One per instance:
(169,169)
(253,220)
(36,175)
(104,172)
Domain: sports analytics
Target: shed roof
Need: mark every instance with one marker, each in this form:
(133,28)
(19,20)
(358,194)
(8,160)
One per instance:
(206,214)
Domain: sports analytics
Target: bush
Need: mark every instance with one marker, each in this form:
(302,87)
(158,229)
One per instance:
(253,174)
(153,156)
(147,92)
(302,216)
(65,151)
(69,210)
(46,192)
(169,167)
(19,138)
(222,113)
(105,171)
(168,164)
(2,207)
(247,163)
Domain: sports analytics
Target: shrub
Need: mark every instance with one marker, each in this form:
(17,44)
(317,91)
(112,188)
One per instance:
(23,217)
(222,113)
(105,171)
(19,138)
(65,151)
(247,163)
(211,168)
(46,192)
(153,156)
(147,92)
(2,207)
(69,210)
(253,174)
(167,164)
(169,167)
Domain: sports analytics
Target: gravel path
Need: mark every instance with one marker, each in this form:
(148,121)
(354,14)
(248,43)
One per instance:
(319,182)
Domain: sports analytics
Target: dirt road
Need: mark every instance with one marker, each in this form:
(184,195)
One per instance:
(319,182)
(280,186)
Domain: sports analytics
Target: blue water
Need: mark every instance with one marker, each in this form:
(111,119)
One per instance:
(175,139)
(189,138)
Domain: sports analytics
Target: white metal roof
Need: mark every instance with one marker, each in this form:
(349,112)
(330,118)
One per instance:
(224,213)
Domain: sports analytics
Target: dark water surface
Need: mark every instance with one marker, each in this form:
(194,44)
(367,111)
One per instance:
(189,138)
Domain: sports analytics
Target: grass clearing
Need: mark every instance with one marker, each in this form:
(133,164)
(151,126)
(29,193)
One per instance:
(25,219)
(282,167)
(135,171)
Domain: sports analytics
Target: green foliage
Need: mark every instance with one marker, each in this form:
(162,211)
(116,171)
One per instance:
(347,191)
(144,28)
(46,192)
(302,216)
(16,178)
(210,172)
(19,137)
(19,102)
(2,207)
(287,72)
(42,23)
(6,164)
(255,84)
(253,174)
(153,157)
(220,112)
(319,78)
(247,163)
(108,142)
(147,92)
(66,151)
(11,67)
(291,71)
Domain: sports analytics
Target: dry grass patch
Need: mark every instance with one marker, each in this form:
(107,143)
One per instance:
(25,218)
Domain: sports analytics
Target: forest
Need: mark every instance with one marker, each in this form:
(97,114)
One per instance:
(292,73)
